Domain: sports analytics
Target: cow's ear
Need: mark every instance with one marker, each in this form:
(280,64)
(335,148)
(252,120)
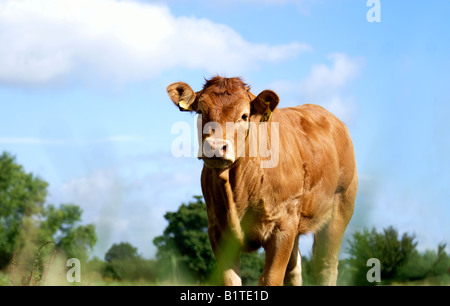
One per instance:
(264,104)
(182,95)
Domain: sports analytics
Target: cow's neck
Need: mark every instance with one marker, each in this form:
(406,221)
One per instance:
(231,181)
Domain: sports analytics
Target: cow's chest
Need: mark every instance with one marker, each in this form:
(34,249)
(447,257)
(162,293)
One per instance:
(259,224)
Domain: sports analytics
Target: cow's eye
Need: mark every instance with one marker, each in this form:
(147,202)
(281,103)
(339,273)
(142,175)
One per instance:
(244,117)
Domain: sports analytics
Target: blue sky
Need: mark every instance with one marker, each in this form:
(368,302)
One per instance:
(84,106)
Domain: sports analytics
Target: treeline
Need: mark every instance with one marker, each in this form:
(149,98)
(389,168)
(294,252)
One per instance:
(184,256)
(36,239)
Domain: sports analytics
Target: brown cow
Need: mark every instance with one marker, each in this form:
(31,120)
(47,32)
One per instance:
(310,187)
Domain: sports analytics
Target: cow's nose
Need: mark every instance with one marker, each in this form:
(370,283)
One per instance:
(216,148)
(223,149)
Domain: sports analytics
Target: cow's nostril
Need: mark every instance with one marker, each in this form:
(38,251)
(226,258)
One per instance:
(224,148)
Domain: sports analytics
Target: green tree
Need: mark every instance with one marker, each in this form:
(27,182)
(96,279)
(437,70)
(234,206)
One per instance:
(62,226)
(121,251)
(184,251)
(124,263)
(392,251)
(22,197)
(424,265)
(26,222)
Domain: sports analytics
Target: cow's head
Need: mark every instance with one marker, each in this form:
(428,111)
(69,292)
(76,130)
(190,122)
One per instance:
(226,107)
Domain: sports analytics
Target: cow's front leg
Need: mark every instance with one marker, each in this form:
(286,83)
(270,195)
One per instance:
(278,252)
(228,263)
(227,252)
(231,274)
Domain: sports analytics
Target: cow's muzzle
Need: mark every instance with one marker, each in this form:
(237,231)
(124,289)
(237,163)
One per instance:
(217,153)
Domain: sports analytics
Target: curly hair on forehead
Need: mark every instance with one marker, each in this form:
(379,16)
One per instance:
(220,86)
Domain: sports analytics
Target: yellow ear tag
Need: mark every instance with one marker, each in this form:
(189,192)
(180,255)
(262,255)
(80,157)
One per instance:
(184,106)
(267,114)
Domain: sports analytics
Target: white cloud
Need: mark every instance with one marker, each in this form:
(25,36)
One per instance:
(325,85)
(326,80)
(45,40)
